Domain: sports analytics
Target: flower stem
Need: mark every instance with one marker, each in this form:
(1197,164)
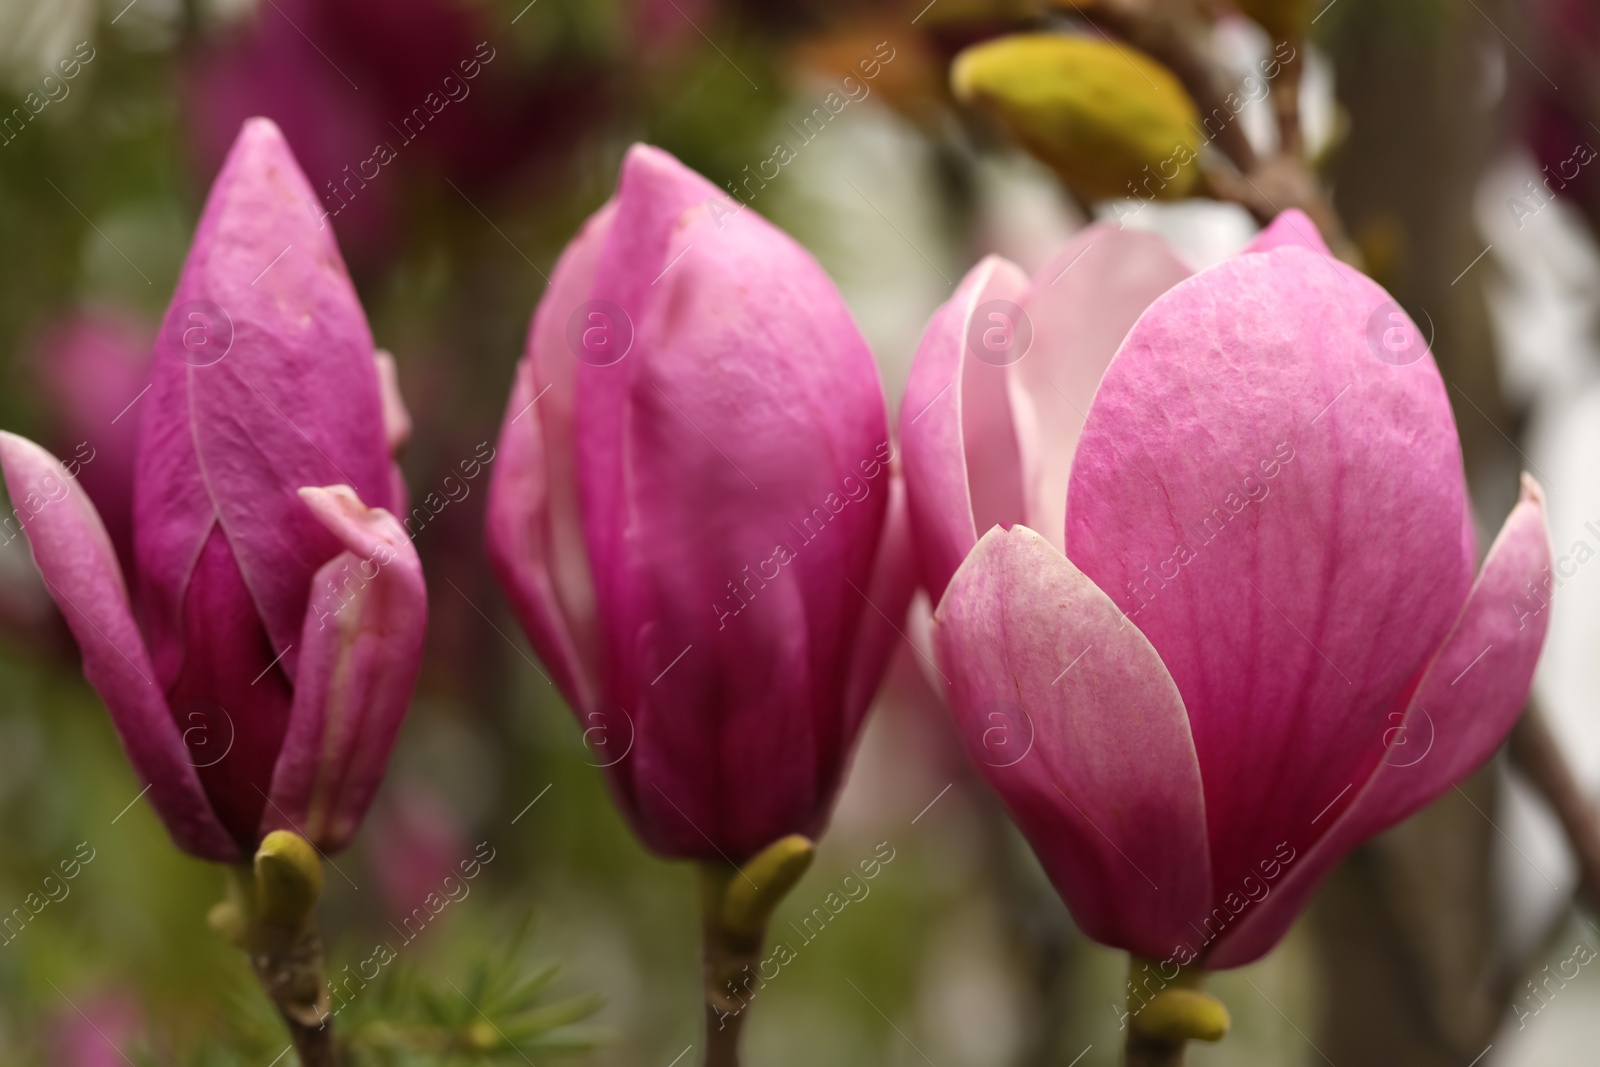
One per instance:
(270,912)
(1166,1012)
(1146,1052)
(735,905)
(725,956)
(292,977)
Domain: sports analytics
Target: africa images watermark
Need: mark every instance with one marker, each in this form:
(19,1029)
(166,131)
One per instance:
(852,90)
(454,90)
(1252,489)
(1540,194)
(54,889)
(812,525)
(1581,954)
(455,490)
(854,889)
(53,89)
(49,490)
(1252,890)
(1255,90)
(1537,592)
(452,890)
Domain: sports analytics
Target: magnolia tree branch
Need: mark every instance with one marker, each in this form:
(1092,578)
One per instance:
(1536,753)
(1168,32)
(292,976)
(1174,32)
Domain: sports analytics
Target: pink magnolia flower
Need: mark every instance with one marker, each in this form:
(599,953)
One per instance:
(96,1035)
(692,513)
(94,365)
(1223,624)
(280,608)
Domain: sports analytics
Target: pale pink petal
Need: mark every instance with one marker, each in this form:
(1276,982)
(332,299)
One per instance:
(1292,228)
(79,566)
(1465,705)
(361,653)
(533,526)
(1279,511)
(1081,305)
(962,462)
(396,419)
(1071,716)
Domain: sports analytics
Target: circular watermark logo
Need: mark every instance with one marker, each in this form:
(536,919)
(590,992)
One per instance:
(608,734)
(1407,743)
(198,332)
(207,733)
(1393,337)
(599,332)
(999,333)
(1000,733)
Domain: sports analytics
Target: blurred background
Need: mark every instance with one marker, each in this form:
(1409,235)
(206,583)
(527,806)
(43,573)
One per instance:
(1435,125)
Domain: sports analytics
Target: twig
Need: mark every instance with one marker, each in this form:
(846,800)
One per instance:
(1535,752)
(292,977)
(1147,1052)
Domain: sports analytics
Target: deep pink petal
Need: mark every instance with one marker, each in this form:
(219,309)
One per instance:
(1279,511)
(1467,703)
(533,528)
(733,474)
(1292,228)
(79,566)
(362,651)
(962,462)
(1071,716)
(1081,305)
(293,400)
(232,698)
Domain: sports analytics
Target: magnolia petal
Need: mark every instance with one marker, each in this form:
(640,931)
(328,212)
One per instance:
(533,526)
(1080,305)
(263,381)
(396,419)
(1279,511)
(961,452)
(79,566)
(1465,705)
(733,471)
(1292,228)
(361,653)
(232,699)
(1071,716)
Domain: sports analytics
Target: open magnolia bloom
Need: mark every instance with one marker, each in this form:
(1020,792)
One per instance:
(1223,624)
(695,516)
(280,607)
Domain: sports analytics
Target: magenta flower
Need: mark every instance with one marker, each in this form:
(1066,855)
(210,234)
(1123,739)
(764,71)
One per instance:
(93,365)
(280,608)
(1223,625)
(692,513)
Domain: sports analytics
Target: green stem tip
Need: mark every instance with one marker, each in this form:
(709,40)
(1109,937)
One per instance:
(1164,1014)
(736,903)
